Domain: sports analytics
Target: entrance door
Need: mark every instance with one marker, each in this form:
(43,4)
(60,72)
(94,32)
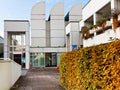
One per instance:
(17,58)
(54,59)
(50,59)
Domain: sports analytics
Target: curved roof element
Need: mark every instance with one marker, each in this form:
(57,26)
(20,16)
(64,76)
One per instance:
(58,9)
(38,8)
(75,12)
(76,9)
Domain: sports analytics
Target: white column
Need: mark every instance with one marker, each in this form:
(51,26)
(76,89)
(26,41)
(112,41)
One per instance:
(113,4)
(27,37)
(94,18)
(5,44)
(74,35)
(66,43)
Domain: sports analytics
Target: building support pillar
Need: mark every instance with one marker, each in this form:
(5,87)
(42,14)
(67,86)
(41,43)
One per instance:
(94,18)
(6,44)
(27,36)
(114,4)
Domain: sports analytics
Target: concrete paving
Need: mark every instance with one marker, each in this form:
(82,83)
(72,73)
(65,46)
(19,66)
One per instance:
(39,79)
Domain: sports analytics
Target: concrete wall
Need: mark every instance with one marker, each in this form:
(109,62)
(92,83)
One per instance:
(102,38)
(16,25)
(38,25)
(73,28)
(9,74)
(48,39)
(75,13)
(57,26)
(73,35)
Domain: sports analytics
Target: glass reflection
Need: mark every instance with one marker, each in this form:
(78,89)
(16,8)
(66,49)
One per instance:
(17,39)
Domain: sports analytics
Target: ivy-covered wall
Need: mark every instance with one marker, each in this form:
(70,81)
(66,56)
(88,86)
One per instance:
(92,68)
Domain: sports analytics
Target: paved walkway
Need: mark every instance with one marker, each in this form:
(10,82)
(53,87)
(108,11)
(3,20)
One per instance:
(39,79)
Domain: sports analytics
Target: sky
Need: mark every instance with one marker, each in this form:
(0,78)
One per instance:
(21,9)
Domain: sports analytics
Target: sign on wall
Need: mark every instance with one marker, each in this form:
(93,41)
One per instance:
(74,47)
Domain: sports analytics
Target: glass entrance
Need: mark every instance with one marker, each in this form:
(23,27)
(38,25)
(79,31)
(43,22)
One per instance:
(50,59)
(37,60)
(17,48)
(43,59)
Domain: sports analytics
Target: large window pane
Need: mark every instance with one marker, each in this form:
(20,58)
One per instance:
(17,39)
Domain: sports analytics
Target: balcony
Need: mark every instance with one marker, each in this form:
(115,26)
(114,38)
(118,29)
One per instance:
(99,30)
(99,36)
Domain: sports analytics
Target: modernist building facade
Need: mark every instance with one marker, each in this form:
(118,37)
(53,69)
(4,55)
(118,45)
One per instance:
(43,43)
(47,36)
(73,39)
(92,12)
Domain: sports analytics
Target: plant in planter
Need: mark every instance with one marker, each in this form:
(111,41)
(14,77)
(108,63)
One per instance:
(85,32)
(95,27)
(101,23)
(114,14)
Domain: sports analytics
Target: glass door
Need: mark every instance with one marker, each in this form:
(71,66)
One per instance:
(38,60)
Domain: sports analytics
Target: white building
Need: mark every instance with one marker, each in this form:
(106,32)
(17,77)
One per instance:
(17,41)
(49,38)
(73,39)
(93,12)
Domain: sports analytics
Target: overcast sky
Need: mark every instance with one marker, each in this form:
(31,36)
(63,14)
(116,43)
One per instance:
(21,9)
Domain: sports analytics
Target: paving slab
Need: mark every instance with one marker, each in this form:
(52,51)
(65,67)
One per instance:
(39,79)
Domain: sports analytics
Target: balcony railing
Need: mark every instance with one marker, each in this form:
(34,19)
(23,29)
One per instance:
(99,30)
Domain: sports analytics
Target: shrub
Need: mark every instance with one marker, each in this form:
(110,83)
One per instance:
(92,68)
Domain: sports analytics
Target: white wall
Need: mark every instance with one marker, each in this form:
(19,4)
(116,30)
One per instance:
(74,35)
(9,74)
(73,28)
(75,13)
(57,25)
(102,38)
(38,25)
(16,25)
